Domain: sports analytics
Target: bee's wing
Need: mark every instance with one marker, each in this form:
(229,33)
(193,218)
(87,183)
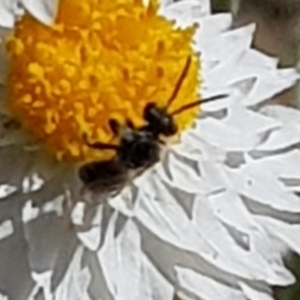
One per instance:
(103,178)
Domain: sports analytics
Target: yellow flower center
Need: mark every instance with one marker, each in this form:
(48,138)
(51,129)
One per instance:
(101,59)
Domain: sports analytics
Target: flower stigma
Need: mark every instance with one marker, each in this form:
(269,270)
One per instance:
(99,60)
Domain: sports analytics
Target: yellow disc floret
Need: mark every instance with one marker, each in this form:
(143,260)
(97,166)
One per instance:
(101,59)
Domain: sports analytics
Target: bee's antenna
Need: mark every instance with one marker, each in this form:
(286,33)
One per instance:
(180,81)
(198,102)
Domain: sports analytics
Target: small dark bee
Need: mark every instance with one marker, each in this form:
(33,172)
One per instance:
(139,148)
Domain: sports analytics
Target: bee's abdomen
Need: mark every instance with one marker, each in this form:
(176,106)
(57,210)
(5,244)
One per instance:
(98,171)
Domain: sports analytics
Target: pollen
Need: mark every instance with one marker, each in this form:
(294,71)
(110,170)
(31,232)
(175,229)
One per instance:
(101,59)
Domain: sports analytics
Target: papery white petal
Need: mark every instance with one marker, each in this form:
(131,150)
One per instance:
(154,286)
(230,256)
(226,137)
(6,229)
(168,221)
(246,231)
(56,206)
(127,271)
(282,113)
(124,203)
(42,288)
(92,237)
(77,214)
(248,121)
(252,293)
(32,183)
(121,260)
(285,165)
(192,146)
(284,137)
(183,174)
(255,58)
(186,12)
(288,233)
(29,212)
(213,25)
(75,282)
(271,83)
(214,176)
(205,287)
(262,186)
(230,209)
(43,10)
(7,190)
(233,42)
(7,12)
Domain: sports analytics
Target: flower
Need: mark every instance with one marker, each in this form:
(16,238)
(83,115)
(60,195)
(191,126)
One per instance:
(212,220)
(101,77)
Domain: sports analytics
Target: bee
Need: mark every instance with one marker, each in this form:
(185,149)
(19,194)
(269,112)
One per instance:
(139,148)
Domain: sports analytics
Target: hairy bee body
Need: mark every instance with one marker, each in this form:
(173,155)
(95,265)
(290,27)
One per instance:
(139,148)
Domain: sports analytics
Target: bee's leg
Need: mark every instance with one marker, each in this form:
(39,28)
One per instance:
(99,145)
(161,141)
(130,124)
(114,126)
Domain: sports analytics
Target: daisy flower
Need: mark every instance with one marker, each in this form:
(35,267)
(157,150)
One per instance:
(212,220)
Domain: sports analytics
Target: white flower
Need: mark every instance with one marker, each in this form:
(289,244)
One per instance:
(211,221)
(11,9)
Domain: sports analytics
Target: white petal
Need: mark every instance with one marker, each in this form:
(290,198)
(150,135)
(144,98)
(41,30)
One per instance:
(254,294)
(186,12)
(192,146)
(29,212)
(233,43)
(270,84)
(229,207)
(288,233)
(213,25)
(56,205)
(285,165)
(6,229)
(282,113)
(214,176)
(284,137)
(205,287)
(255,58)
(246,231)
(75,282)
(120,258)
(124,203)
(166,218)
(92,237)
(229,138)
(43,10)
(154,286)
(7,190)
(32,183)
(77,214)
(248,121)
(7,12)
(262,186)
(127,271)
(183,175)
(230,256)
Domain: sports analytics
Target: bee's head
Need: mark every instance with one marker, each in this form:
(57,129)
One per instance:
(138,149)
(159,120)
